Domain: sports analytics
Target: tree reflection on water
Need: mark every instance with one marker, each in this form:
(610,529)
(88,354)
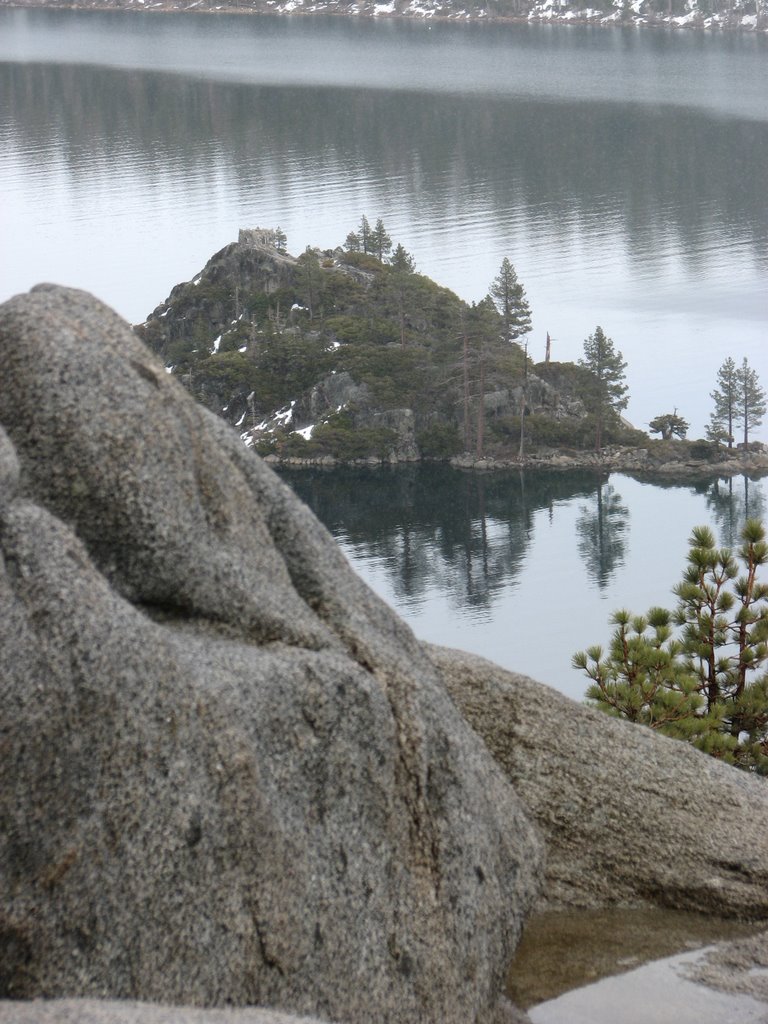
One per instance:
(730,502)
(434,528)
(602,529)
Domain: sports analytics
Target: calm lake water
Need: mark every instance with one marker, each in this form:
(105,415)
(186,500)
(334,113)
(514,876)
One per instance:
(625,173)
(524,569)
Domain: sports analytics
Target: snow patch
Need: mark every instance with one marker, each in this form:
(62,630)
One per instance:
(280,419)
(686,19)
(285,415)
(240,421)
(216,343)
(306,432)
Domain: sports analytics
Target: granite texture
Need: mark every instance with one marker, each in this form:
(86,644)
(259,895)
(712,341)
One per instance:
(628,816)
(230,774)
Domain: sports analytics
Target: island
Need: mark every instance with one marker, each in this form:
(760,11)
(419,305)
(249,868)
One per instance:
(350,355)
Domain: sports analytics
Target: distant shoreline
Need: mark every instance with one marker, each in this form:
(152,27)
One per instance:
(418,10)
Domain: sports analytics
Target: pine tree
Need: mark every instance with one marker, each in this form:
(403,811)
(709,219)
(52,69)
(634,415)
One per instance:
(381,242)
(700,683)
(364,234)
(402,261)
(750,403)
(281,239)
(725,396)
(352,242)
(509,298)
(481,327)
(608,394)
(310,277)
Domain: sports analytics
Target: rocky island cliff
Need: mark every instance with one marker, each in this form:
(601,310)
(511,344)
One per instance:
(231,776)
(338,355)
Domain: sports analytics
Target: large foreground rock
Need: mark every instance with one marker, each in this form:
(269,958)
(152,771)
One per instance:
(230,775)
(628,816)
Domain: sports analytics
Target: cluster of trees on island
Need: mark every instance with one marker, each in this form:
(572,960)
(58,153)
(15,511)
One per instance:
(252,340)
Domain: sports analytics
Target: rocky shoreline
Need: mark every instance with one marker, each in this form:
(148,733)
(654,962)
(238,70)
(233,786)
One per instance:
(647,463)
(542,12)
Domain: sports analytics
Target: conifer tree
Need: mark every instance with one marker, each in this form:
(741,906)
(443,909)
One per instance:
(608,394)
(402,261)
(695,673)
(509,298)
(364,234)
(725,396)
(310,277)
(750,399)
(380,240)
(281,239)
(352,242)
(481,326)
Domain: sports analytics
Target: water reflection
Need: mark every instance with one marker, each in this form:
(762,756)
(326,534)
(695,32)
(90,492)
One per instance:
(602,534)
(730,502)
(522,569)
(575,167)
(563,951)
(434,529)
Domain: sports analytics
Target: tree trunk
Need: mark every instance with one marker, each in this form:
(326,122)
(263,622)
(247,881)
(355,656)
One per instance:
(521,452)
(467,424)
(481,408)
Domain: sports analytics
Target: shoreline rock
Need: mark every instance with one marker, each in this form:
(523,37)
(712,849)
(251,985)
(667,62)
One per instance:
(633,461)
(629,817)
